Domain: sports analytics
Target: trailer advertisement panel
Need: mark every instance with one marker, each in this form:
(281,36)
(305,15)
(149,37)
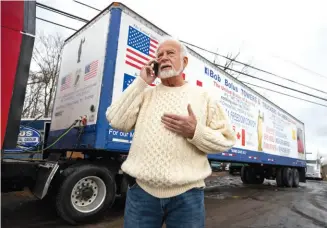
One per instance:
(259,125)
(79,83)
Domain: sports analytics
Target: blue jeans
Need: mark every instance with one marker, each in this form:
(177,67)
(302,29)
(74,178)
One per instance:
(143,210)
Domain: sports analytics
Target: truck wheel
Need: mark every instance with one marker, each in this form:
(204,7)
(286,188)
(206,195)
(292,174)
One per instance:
(288,177)
(244,174)
(296,177)
(259,178)
(85,193)
(249,175)
(279,177)
(255,176)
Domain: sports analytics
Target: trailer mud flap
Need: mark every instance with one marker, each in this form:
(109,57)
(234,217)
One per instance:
(45,175)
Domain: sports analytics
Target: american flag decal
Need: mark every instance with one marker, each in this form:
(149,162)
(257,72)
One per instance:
(140,48)
(128,79)
(91,70)
(65,82)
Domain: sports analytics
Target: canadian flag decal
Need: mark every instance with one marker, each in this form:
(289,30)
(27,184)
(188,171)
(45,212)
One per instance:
(198,83)
(241,136)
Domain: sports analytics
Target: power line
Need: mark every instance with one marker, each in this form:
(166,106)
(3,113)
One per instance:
(72,16)
(299,66)
(61,12)
(84,20)
(284,94)
(285,87)
(247,65)
(216,65)
(86,5)
(226,68)
(56,24)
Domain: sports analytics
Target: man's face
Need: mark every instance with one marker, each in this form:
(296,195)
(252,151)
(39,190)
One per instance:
(169,59)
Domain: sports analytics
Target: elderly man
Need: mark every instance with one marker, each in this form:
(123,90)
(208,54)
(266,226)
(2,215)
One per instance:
(176,126)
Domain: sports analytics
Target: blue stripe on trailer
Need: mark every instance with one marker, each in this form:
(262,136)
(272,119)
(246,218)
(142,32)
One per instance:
(232,155)
(102,124)
(249,156)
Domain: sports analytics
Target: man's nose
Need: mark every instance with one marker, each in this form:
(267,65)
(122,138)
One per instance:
(163,58)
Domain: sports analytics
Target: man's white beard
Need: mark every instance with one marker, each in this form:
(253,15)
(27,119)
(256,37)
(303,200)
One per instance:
(170,73)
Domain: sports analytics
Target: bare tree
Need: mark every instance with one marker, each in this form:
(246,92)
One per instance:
(42,81)
(230,64)
(32,99)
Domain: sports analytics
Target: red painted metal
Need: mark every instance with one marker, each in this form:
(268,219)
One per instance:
(12,22)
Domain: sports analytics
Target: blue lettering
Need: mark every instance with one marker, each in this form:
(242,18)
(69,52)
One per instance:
(212,74)
(206,70)
(249,96)
(231,85)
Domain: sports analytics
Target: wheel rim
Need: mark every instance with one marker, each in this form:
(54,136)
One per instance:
(88,194)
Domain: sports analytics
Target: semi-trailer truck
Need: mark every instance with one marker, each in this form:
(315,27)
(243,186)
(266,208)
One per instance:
(80,168)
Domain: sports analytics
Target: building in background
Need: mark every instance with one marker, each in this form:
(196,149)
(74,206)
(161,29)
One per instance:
(324,168)
(313,161)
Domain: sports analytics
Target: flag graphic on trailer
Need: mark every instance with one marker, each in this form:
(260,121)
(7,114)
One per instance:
(91,70)
(65,82)
(241,136)
(199,83)
(128,79)
(140,48)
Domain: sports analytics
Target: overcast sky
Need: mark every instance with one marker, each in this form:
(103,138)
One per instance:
(287,38)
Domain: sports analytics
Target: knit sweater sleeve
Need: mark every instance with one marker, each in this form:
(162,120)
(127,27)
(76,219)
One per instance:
(123,112)
(216,135)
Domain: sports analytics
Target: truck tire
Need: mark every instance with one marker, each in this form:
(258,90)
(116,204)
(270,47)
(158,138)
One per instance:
(255,175)
(249,175)
(259,178)
(244,174)
(279,177)
(288,177)
(296,178)
(85,193)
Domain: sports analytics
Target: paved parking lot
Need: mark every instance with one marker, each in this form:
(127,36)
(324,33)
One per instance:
(230,204)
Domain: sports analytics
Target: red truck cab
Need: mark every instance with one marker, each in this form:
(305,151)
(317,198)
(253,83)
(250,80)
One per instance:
(17,41)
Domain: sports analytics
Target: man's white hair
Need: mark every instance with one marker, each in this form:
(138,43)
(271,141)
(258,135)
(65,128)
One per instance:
(182,46)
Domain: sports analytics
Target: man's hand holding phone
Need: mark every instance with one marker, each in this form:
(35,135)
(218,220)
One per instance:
(148,73)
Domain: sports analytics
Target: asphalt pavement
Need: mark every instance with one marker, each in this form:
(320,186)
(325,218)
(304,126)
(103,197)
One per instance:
(229,203)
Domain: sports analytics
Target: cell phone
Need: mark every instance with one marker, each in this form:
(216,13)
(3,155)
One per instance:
(155,68)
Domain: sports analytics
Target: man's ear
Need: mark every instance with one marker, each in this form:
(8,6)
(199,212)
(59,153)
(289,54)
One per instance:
(185,61)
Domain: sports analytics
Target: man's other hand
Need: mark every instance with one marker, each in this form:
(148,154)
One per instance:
(183,125)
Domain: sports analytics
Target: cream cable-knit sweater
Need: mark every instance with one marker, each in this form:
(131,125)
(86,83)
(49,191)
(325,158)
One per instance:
(164,163)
